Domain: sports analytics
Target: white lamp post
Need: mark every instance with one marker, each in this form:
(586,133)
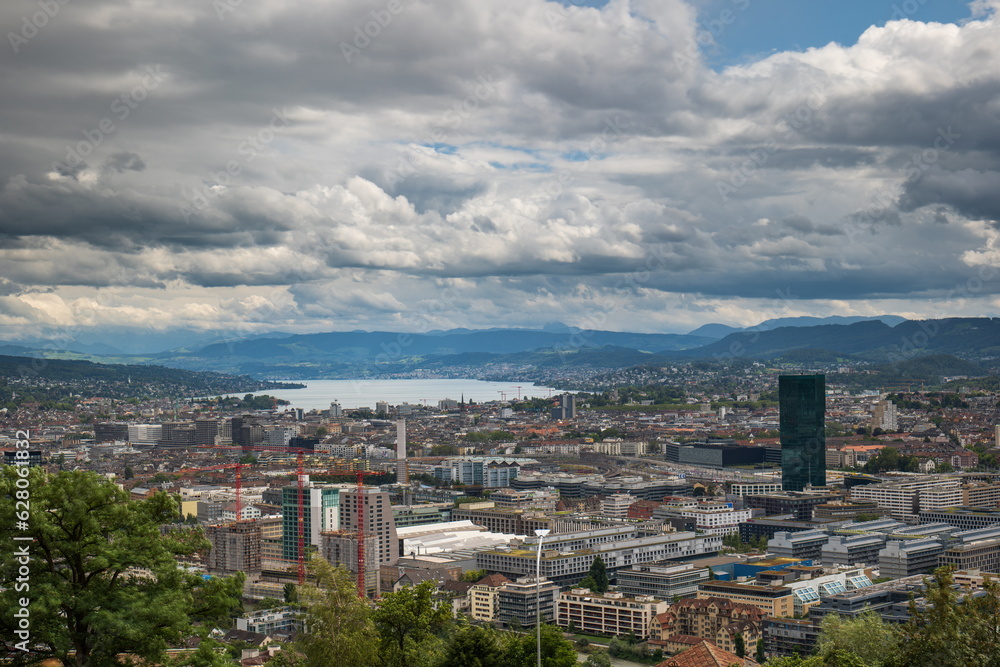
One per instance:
(541,533)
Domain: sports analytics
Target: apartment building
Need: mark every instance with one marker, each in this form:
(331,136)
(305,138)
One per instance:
(235,547)
(612,613)
(773,600)
(484,597)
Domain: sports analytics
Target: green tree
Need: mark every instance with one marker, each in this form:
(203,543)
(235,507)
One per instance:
(270,603)
(599,573)
(474,646)
(556,650)
(739,645)
(127,473)
(339,623)
(866,636)
(600,659)
(290,593)
(759,654)
(89,545)
(950,629)
(406,620)
(210,653)
(472,576)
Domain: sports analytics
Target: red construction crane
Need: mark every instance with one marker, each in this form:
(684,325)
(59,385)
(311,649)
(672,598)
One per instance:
(238,485)
(300,476)
(362,512)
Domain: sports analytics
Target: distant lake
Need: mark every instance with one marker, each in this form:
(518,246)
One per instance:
(351,394)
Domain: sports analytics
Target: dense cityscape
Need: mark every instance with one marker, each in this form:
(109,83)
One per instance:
(642,523)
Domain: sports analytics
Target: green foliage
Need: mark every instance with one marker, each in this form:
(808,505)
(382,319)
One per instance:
(759,652)
(474,646)
(472,576)
(444,450)
(556,650)
(340,626)
(405,620)
(739,645)
(951,630)
(889,458)
(210,653)
(630,649)
(866,637)
(599,574)
(489,436)
(270,603)
(290,593)
(90,541)
(598,660)
(733,541)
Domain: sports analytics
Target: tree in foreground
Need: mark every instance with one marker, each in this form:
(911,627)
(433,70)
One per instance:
(339,626)
(556,650)
(866,636)
(102,582)
(409,625)
(949,629)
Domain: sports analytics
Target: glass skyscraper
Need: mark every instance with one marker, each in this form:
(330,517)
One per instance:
(802,401)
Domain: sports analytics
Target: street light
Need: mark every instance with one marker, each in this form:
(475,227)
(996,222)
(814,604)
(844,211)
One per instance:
(541,533)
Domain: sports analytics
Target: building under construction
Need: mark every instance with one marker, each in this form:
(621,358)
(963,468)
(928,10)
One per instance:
(235,547)
(340,548)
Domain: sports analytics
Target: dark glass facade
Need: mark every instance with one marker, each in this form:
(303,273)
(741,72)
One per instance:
(802,401)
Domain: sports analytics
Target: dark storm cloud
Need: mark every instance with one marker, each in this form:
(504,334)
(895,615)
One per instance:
(534,157)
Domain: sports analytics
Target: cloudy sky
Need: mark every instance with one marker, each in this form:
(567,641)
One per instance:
(647,165)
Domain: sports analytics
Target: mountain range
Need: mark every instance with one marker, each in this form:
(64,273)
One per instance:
(363,353)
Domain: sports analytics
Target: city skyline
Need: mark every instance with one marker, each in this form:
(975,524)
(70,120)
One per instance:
(644,166)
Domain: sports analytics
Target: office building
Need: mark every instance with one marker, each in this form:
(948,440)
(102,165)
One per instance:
(802,424)
(974,550)
(616,505)
(522,600)
(805,544)
(566,559)
(798,503)
(785,637)
(906,500)
(906,558)
(851,550)
(964,518)
(663,581)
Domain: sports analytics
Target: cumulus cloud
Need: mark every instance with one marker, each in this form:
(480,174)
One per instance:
(312,164)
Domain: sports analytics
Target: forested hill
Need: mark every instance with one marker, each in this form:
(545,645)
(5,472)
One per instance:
(53,382)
